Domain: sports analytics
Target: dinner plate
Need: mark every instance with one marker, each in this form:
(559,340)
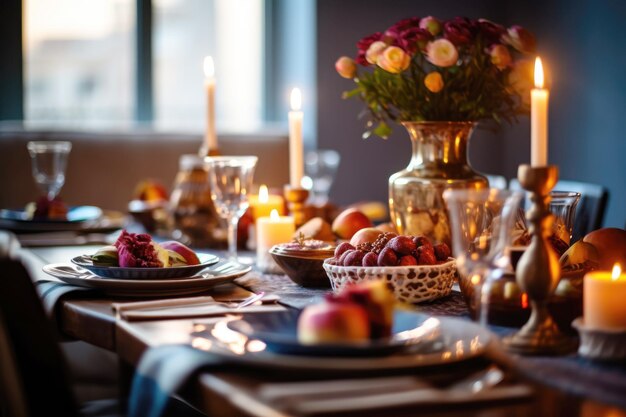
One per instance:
(461,340)
(80,218)
(206,260)
(216,275)
(411,331)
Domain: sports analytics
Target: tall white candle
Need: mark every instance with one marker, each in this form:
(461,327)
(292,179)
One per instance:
(210,136)
(296,153)
(539,119)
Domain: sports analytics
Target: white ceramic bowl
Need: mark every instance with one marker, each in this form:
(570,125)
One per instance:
(410,284)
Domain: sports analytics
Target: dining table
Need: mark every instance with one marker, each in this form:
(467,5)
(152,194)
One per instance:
(550,386)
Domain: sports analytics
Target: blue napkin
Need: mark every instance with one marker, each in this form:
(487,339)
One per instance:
(163,371)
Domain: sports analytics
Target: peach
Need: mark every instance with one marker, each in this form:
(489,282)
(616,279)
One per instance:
(376,300)
(610,243)
(190,256)
(333,322)
(366,235)
(387,228)
(350,221)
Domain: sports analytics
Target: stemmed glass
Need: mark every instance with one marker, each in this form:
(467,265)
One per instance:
(48,163)
(481,226)
(230,178)
(321,167)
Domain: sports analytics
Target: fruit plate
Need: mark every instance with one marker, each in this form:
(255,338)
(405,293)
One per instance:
(409,284)
(206,260)
(411,331)
(462,340)
(216,275)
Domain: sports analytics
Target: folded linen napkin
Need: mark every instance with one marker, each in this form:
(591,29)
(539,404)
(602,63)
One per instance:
(162,372)
(179,308)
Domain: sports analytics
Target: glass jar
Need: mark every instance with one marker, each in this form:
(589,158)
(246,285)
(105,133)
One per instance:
(195,220)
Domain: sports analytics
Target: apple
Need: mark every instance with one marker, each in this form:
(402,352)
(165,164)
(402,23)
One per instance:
(366,235)
(350,221)
(387,228)
(190,256)
(610,242)
(333,322)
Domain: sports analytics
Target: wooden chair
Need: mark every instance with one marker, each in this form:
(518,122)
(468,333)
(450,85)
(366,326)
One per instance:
(591,207)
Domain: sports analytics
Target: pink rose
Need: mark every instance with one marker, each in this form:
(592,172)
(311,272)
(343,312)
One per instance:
(520,39)
(442,53)
(374,51)
(414,39)
(434,82)
(431,24)
(364,44)
(394,60)
(346,67)
(459,30)
(500,56)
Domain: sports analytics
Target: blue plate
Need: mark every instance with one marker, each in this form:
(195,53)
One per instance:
(412,332)
(118,272)
(74,214)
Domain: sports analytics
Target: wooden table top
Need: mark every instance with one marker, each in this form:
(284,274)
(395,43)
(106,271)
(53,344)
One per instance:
(90,318)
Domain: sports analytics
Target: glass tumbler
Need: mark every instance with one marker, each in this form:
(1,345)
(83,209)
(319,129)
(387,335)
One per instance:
(563,206)
(320,167)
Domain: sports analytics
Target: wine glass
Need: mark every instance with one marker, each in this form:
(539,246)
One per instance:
(48,163)
(481,226)
(320,167)
(230,178)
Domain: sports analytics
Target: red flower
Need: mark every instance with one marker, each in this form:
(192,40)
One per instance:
(459,30)
(414,39)
(364,44)
(395,31)
(492,32)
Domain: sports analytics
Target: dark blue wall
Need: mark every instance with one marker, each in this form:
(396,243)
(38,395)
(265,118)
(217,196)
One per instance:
(583,45)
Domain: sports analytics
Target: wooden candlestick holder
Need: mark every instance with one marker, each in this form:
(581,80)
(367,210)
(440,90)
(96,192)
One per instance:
(296,198)
(538,270)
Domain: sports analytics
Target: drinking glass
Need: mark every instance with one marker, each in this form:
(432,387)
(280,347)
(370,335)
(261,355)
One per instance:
(231,182)
(320,168)
(563,206)
(48,163)
(481,223)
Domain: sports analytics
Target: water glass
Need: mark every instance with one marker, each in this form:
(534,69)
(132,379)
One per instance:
(231,182)
(563,207)
(481,224)
(320,168)
(48,163)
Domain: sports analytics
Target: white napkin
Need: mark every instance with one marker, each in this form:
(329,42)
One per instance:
(178,308)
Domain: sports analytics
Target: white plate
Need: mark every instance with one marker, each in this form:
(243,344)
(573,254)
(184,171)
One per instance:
(219,274)
(462,340)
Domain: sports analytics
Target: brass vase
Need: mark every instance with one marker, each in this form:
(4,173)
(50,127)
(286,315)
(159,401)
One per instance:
(438,163)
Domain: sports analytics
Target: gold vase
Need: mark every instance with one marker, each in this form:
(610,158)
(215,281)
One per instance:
(439,162)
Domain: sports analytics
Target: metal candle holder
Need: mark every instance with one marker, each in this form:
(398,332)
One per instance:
(538,270)
(296,197)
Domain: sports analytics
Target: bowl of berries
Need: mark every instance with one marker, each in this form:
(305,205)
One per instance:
(414,269)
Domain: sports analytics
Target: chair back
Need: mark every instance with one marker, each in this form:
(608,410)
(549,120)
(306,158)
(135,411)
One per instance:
(34,379)
(591,207)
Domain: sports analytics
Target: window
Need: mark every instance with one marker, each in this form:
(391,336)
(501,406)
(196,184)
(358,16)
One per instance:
(80,69)
(78,61)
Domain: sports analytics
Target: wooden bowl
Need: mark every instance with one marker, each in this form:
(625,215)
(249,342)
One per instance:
(304,266)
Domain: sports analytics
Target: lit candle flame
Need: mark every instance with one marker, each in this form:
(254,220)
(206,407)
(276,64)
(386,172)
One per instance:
(209,67)
(617,271)
(296,99)
(263,194)
(274,216)
(538,73)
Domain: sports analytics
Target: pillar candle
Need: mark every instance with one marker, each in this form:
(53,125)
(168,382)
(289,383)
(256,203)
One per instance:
(210,136)
(604,299)
(271,231)
(263,204)
(539,119)
(296,153)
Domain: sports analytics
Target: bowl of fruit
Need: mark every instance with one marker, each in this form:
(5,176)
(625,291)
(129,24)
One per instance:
(414,269)
(302,261)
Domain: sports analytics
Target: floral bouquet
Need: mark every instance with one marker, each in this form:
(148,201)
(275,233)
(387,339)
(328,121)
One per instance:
(432,70)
